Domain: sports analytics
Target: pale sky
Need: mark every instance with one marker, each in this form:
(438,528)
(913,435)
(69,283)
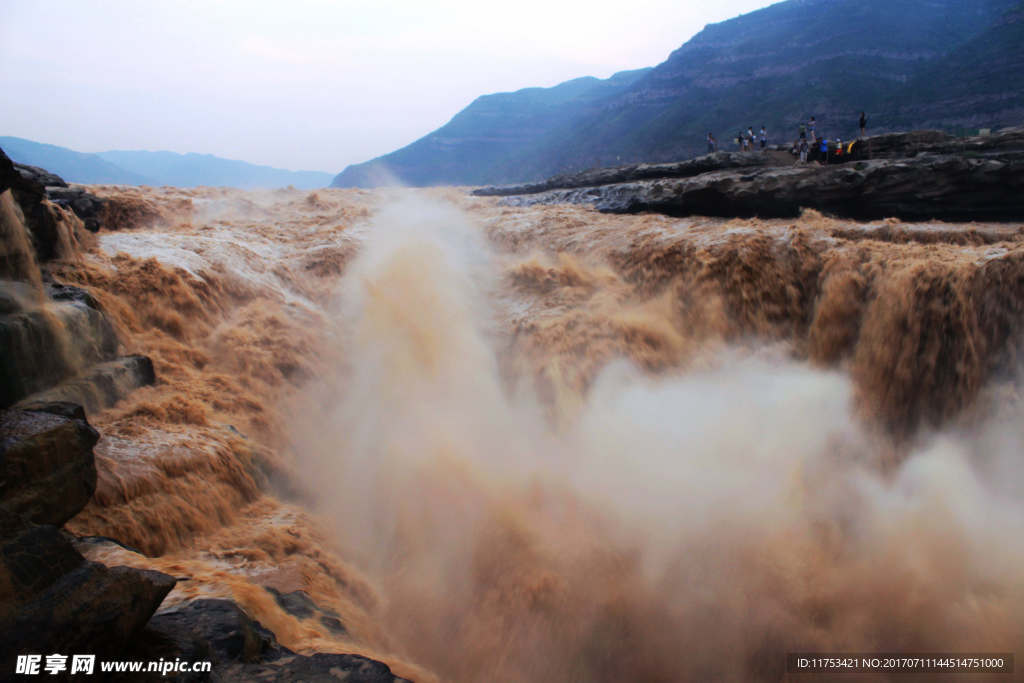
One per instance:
(305,84)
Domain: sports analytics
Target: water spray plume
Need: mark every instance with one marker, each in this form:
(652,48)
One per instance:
(542,443)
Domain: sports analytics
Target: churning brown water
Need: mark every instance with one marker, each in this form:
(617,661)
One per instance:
(545,444)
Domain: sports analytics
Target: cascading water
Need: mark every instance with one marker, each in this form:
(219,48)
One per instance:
(543,443)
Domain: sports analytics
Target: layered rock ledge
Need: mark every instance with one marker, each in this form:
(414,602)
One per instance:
(921,176)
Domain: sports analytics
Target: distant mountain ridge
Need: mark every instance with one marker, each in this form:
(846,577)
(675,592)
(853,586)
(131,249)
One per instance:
(909,64)
(155,168)
(486,133)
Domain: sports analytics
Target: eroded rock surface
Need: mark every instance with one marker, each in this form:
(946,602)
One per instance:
(939,178)
(47,470)
(242,649)
(51,598)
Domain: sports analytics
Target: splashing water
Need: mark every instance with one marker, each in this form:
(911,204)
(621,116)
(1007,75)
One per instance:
(733,513)
(548,444)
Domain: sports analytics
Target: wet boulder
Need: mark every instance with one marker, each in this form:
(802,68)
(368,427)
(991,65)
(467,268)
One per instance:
(47,469)
(51,598)
(39,175)
(211,629)
(301,606)
(101,386)
(83,203)
(90,608)
(43,220)
(43,343)
(242,649)
(294,668)
(25,186)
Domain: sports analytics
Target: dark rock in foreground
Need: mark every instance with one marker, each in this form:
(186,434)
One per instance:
(242,649)
(294,668)
(47,473)
(32,185)
(51,598)
(47,343)
(301,606)
(101,386)
(85,205)
(941,178)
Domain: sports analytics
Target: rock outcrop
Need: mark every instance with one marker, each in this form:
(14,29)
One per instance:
(47,473)
(51,598)
(45,342)
(101,386)
(41,217)
(40,176)
(301,606)
(923,177)
(85,204)
(242,649)
(32,185)
(52,333)
(63,348)
(718,161)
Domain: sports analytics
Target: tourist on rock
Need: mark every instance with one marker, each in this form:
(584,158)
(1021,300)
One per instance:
(803,151)
(750,138)
(739,139)
(711,143)
(863,123)
(811,125)
(764,137)
(803,131)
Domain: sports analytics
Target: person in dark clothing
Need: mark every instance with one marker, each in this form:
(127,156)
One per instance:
(863,123)
(711,143)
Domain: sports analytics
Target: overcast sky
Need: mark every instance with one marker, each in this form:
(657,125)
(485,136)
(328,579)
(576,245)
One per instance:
(305,84)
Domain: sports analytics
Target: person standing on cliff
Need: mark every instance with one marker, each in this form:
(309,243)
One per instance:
(863,124)
(763,136)
(711,143)
(811,125)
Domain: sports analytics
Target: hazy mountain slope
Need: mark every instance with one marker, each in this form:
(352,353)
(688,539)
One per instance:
(473,147)
(775,66)
(778,66)
(155,168)
(190,170)
(77,167)
(978,84)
